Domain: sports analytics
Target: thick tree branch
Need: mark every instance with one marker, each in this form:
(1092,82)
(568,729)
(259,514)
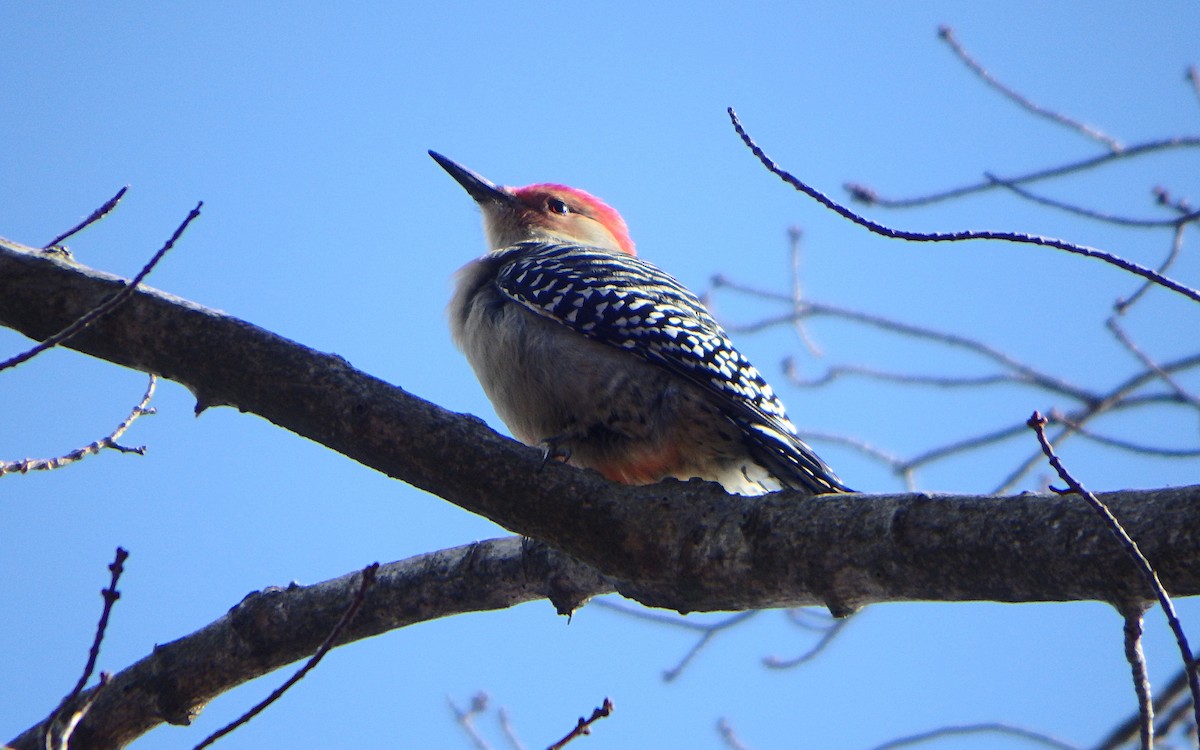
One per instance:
(686,546)
(275,627)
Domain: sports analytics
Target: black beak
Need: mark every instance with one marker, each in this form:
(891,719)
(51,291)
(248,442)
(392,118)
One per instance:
(481,188)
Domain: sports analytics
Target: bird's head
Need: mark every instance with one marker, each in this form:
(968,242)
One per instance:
(541,212)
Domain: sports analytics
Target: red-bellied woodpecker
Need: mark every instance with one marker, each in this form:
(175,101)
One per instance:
(603,359)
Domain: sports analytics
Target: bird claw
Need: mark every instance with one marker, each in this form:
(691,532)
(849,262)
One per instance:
(553,449)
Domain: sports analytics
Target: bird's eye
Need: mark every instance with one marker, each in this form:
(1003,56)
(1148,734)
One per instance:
(557,206)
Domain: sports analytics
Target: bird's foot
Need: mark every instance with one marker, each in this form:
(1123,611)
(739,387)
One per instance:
(554,448)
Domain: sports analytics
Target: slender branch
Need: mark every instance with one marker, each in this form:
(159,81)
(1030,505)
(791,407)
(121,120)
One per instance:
(92,218)
(731,740)
(961,236)
(1125,221)
(585,725)
(466,718)
(707,630)
(869,196)
(1025,373)
(1175,718)
(1150,364)
(1093,404)
(1125,445)
(366,582)
(510,733)
(1117,398)
(105,307)
(1141,679)
(829,633)
(794,253)
(57,731)
(1123,305)
(946,34)
(899,466)
(1037,424)
(46,464)
(969,729)
(1126,730)
(837,372)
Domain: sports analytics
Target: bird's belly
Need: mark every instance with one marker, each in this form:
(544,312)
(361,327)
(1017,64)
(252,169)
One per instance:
(602,407)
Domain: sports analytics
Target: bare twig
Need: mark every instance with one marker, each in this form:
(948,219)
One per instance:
(1037,423)
(367,580)
(731,740)
(1121,444)
(1176,718)
(1141,679)
(510,733)
(110,595)
(92,218)
(961,236)
(707,630)
(794,253)
(1023,373)
(61,723)
(1101,216)
(1163,197)
(1123,305)
(466,719)
(837,372)
(584,725)
(899,466)
(984,728)
(868,195)
(1149,363)
(108,305)
(1192,76)
(1174,689)
(1092,404)
(1117,398)
(46,464)
(830,631)
(946,34)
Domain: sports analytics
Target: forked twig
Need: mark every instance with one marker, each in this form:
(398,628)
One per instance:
(47,464)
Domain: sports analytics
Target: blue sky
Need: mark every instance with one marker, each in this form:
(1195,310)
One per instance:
(305,133)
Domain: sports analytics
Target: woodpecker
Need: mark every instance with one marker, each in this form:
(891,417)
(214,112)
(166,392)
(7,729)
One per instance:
(606,361)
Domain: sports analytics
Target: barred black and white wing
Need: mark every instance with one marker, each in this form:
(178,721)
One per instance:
(630,304)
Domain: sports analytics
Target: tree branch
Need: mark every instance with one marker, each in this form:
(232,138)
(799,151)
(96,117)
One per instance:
(687,546)
(269,629)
